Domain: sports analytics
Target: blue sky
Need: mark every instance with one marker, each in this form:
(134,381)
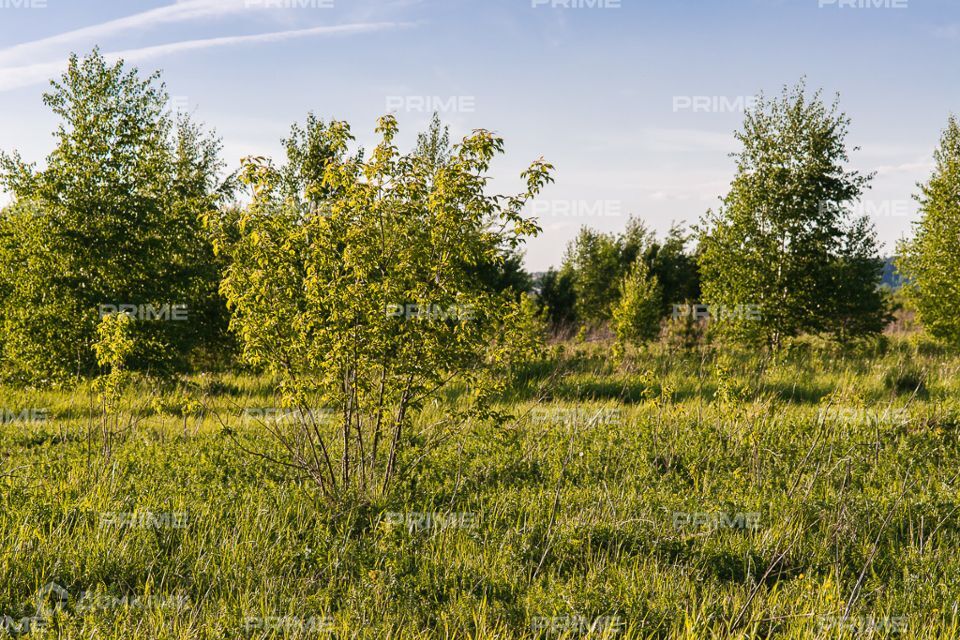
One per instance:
(634,101)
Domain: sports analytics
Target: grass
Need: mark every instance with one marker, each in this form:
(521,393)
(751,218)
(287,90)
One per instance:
(616,503)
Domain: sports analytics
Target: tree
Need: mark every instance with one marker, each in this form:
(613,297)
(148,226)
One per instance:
(371,303)
(636,317)
(557,300)
(587,286)
(931,260)
(676,269)
(593,264)
(113,219)
(783,245)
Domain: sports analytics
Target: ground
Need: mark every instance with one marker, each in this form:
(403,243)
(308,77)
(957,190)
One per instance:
(673,495)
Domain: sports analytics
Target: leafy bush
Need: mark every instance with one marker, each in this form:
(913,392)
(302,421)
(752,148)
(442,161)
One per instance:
(369,301)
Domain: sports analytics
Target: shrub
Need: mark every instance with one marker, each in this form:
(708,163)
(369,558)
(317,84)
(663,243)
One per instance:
(369,301)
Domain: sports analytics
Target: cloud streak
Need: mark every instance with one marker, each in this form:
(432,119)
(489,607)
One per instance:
(181,11)
(29,74)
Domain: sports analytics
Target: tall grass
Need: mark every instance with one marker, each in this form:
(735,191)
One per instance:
(610,503)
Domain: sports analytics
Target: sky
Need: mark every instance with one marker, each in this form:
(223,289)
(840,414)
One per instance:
(635,102)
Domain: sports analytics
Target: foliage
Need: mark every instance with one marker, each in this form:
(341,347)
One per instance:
(113,348)
(586,289)
(636,318)
(383,304)
(112,219)
(931,259)
(557,299)
(784,239)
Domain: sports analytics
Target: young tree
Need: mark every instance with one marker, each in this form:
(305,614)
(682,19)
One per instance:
(113,219)
(636,316)
(371,302)
(783,240)
(931,260)
(593,260)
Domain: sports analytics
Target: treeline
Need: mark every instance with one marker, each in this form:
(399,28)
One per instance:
(132,212)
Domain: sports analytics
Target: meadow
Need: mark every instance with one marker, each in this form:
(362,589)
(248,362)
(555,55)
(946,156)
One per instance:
(675,494)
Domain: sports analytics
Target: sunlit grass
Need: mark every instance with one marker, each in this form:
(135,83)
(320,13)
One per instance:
(571,509)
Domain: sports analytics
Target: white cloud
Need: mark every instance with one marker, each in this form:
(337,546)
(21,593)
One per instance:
(25,75)
(181,11)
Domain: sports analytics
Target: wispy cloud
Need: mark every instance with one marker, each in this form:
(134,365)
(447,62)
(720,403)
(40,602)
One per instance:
(181,11)
(25,75)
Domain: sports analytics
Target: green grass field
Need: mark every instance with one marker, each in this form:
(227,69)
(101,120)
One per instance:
(671,496)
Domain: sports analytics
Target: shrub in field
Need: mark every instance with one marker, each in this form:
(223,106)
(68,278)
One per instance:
(112,219)
(931,260)
(368,299)
(784,239)
(636,317)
